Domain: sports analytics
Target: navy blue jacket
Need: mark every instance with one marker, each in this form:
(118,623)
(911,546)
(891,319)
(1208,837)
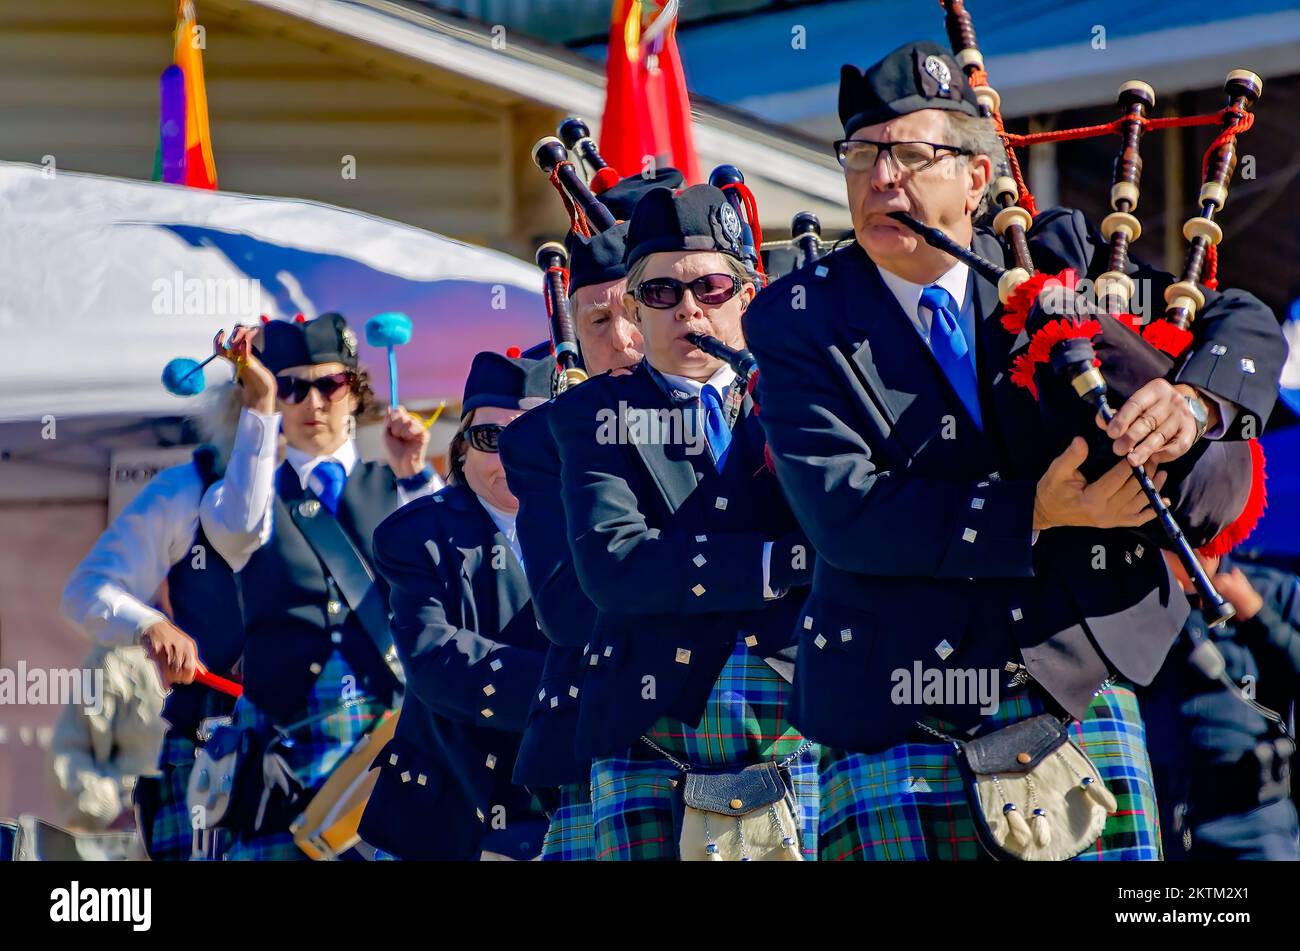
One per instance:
(670,552)
(922,522)
(464,629)
(546,754)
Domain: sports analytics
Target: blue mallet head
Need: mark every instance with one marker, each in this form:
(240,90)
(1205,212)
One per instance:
(388,330)
(183,377)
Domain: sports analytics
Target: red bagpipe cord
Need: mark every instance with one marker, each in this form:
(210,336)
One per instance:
(577,219)
(751,214)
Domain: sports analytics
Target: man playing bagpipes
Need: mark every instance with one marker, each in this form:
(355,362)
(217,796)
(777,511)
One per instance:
(681,540)
(156,541)
(469,643)
(960,545)
(609,342)
(317,670)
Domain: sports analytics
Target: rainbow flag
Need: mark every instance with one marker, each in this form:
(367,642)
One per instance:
(184,153)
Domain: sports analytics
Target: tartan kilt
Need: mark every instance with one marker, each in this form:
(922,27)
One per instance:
(744,723)
(317,748)
(908,803)
(569,837)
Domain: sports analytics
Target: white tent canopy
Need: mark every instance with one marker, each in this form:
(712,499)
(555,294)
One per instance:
(103,280)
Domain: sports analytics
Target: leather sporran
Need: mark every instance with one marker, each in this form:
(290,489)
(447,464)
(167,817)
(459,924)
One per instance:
(743,816)
(1035,796)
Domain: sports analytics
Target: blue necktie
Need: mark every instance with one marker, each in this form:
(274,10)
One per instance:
(715,424)
(331,479)
(951,349)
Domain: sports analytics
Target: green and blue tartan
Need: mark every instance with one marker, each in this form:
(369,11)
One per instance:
(908,803)
(317,748)
(744,723)
(173,837)
(569,837)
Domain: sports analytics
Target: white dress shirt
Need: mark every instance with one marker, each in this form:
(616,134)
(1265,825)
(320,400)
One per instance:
(956,281)
(108,593)
(236,512)
(720,380)
(505,522)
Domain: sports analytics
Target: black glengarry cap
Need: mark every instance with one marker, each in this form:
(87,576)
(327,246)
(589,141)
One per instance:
(698,218)
(291,343)
(505,382)
(918,75)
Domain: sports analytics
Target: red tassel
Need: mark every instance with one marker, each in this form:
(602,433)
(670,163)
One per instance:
(604,180)
(1016,313)
(1053,332)
(1256,502)
(1022,374)
(266,319)
(299,319)
(1164,336)
(1040,348)
(514,353)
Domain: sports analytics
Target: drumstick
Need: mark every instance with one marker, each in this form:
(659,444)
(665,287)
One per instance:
(221,684)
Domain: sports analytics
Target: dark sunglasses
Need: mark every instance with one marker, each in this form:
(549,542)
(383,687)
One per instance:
(485,437)
(291,389)
(664,292)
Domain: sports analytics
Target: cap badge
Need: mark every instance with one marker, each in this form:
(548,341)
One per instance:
(730,222)
(308,508)
(939,72)
(349,341)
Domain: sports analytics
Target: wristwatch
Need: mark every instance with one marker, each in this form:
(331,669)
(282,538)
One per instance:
(1199,413)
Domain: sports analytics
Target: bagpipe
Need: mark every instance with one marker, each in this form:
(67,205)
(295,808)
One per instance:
(588,215)
(553,259)
(1081,348)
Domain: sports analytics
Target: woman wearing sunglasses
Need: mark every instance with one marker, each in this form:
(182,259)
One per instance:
(684,544)
(317,671)
(469,643)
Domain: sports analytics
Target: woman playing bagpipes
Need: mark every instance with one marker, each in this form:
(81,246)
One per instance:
(682,541)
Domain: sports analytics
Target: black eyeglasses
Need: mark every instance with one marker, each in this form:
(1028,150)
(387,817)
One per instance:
(860,155)
(293,389)
(664,292)
(485,437)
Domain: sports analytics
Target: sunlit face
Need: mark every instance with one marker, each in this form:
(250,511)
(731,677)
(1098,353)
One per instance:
(664,330)
(484,473)
(607,338)
(943,195)
(317,425)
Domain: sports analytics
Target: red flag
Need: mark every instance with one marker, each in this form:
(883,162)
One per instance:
(647,108)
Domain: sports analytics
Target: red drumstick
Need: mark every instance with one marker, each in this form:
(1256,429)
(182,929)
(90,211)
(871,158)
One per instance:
(209,679)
